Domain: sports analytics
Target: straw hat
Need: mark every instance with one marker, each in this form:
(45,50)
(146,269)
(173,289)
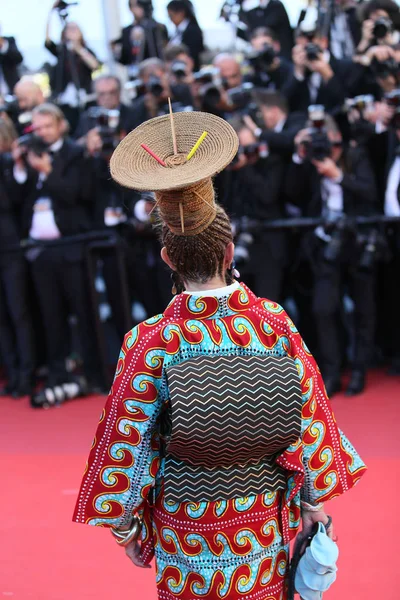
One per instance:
(132,167)
(184,191)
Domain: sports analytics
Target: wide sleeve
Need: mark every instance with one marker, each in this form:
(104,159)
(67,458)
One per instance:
(331,465)
(124,458)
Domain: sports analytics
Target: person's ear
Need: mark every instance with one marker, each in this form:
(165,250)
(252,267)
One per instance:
(229,255)
(166,259)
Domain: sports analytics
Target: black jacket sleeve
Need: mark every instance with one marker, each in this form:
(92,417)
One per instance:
(13,56)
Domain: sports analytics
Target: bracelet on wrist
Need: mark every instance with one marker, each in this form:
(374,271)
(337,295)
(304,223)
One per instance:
(124,538)
(311,507)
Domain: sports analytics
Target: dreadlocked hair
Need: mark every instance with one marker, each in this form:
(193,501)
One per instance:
(200,257)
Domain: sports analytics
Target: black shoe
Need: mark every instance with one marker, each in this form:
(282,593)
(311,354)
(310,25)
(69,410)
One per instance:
(55,396)
(332,385)
(8,390)
(356,384)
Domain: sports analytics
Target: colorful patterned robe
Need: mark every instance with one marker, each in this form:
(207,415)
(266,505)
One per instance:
(235,549)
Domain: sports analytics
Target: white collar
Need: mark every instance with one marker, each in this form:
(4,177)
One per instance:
(57,145)
(280,125)
(217,292)
(183,26)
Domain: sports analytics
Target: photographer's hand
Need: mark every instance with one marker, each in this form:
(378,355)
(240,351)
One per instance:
(94,142)
(328,168)
(42,163)
(240,163)
(367,35)
(380,53)
(322,67)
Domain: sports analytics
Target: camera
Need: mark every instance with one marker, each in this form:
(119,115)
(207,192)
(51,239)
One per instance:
(374,247)
(178,68)
(359,103)
(10,106)
(240,97)
(33,143)
(382,27)
(313,51)
(207,75)
(339,231)
(63,8)
(107,123)
(155,86)
(318,147)
(385,68)
(262,60)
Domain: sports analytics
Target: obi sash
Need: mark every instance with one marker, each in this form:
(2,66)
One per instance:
(230,418)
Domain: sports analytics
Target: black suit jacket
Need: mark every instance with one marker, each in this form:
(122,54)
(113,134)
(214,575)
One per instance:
(344,84)
(282,142)
(9,63)
(69,187)
(192,37)
(360,194)
(70,68)
(273,80)
(10,200)
(274,15)
(155,41)
(129,118)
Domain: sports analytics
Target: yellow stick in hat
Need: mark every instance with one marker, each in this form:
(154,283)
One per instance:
(197,144)
(171,116)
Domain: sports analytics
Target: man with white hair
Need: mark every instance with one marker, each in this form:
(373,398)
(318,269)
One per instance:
(28,94)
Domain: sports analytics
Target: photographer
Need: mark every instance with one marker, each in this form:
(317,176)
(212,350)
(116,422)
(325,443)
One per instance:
(157,89)
(10,58)
(57,194)
(188,32)
(279,127)
(272,14)
(253,191)
(28,94)
(318,77)
(108,104)
(16,333)
(71,80)
(345,29)
(180,65)
(326,180)
(271,70)
(145,38)
(378,18)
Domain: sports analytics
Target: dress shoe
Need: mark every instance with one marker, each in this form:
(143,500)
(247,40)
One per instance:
(356,384)
(332,386)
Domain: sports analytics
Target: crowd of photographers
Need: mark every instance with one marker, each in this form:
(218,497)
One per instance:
(317,112)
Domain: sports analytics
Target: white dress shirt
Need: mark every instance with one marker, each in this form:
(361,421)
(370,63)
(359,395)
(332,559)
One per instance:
(176,39)
(392,206)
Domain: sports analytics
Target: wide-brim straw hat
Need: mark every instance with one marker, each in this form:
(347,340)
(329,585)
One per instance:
(132,167)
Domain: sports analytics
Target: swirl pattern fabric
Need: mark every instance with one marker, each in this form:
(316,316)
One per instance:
(235,549)
(230,416)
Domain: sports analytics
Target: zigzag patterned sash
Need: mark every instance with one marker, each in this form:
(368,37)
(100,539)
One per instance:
(231,416)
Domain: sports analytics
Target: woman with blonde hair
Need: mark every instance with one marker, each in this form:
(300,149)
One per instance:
(217,438)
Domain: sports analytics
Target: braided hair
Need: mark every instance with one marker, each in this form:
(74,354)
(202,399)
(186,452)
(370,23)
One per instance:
(200,257)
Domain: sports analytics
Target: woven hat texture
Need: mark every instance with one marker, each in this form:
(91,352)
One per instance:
(132,167)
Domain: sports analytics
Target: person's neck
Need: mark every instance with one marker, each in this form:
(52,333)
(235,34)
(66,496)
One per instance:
(212,284)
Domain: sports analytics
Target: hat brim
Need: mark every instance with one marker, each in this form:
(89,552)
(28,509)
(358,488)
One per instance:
(132,167)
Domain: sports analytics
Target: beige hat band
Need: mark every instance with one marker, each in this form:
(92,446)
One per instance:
(188,211)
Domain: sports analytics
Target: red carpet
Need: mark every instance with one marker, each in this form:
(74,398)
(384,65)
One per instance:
(44,556)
